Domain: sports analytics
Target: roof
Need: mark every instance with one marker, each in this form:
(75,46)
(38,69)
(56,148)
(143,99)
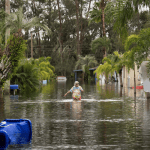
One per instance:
(82,70)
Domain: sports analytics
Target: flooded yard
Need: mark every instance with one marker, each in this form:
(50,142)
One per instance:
(105,118)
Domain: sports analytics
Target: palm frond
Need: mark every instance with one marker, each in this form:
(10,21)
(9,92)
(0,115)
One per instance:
(95,14)
(16,21)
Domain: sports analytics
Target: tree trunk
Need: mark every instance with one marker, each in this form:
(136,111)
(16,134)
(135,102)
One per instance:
(85,27)
(83,76)
(77,26)
(103,18)
(60,32)
(134,85)
(7,34)
(120,75)
(34,8)
(106,79)
(7,9)
(31,46)
(39,44)
(2,110)
(120,91)
(102,7)
(81,32)
(148,96)
(138,21)
(1,91)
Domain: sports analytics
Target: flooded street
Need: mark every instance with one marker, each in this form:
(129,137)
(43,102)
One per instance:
(101,120)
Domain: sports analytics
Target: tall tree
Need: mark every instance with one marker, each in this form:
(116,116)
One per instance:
(60,34)
(84,24)
(98,15)
(16,22)
(122,11)
(7,9)
(81,22)
(77,27)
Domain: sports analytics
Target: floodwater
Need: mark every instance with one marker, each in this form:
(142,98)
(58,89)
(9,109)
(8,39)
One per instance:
(105,118)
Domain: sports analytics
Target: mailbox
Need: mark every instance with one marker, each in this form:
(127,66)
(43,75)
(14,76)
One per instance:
(13,87)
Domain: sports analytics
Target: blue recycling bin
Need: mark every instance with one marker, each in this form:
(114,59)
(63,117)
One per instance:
(15,131)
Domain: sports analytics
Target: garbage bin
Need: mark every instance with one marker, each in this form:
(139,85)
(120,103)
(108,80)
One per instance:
(15,131)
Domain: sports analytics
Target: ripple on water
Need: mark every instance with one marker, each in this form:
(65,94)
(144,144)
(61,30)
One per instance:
(81,147)
(66,100)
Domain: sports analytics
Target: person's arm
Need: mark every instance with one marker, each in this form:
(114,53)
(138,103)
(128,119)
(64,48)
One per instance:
(67,93)
(81,89)
(71,90)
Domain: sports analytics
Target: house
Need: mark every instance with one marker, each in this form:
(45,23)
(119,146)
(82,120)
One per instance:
(127,77)
(78,73)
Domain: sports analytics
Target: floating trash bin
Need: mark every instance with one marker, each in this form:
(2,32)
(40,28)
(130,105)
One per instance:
(44,81)
(15,131)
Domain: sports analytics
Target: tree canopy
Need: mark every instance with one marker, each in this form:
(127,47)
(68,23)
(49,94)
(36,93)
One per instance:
(71,34)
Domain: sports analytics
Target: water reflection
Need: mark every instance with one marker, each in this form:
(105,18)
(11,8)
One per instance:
(76,115)
(20,147)
(2,114)
(102,120)
(61,89)
(129,92)
(148,104)
(14,97)
(7,105)
(109,91)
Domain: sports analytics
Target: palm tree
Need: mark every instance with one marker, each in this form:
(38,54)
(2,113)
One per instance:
(98,15)
(113,62)
(100,43)
(85,63)
(118,62)
(16,21)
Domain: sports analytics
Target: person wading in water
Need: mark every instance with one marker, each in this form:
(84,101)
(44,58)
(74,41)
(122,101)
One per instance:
(76,91)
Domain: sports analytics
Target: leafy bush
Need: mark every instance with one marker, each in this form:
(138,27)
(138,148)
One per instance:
(26,76)
(46,70)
